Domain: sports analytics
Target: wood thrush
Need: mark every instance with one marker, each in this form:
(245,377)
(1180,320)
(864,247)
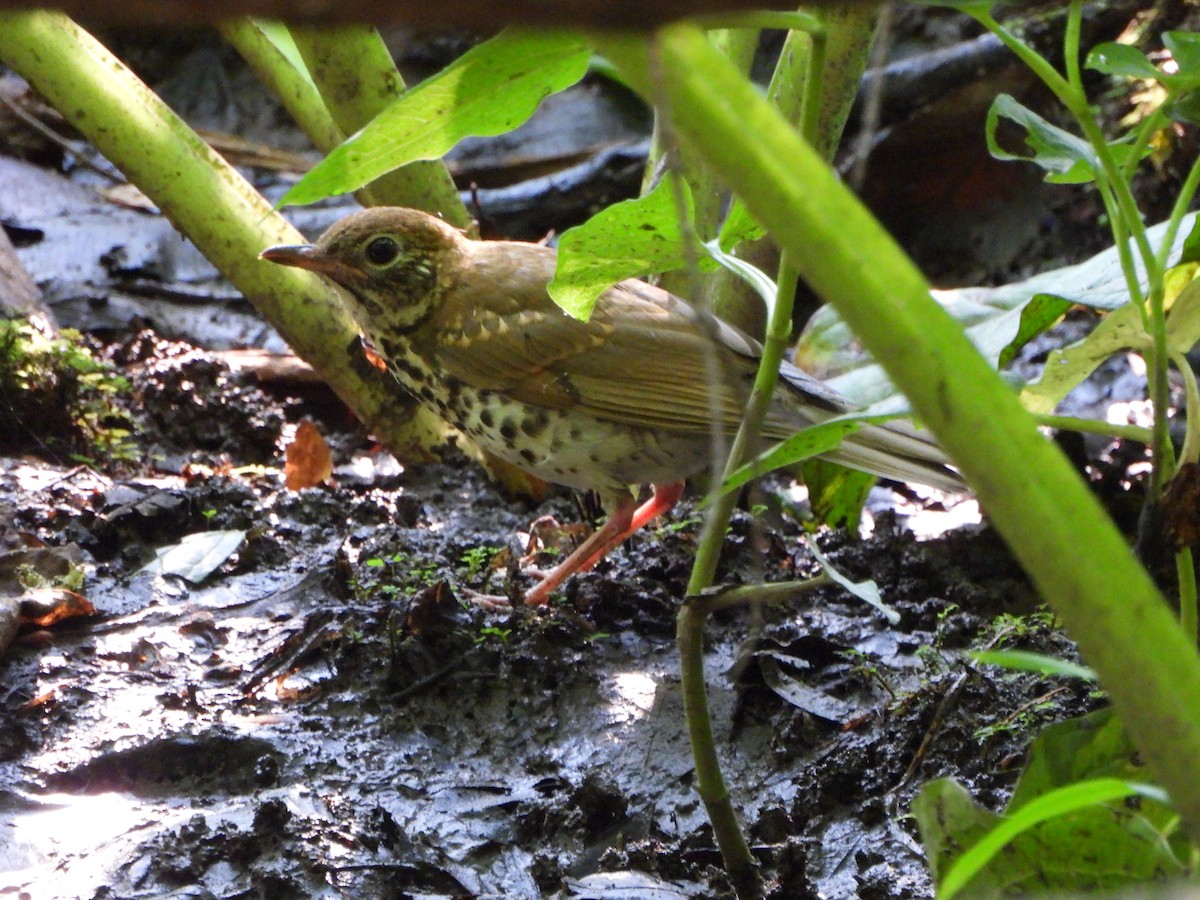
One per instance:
(633,396)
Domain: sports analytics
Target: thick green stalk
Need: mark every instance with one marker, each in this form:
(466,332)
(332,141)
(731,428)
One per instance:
(202,195)
(357,79)
(845,50)
(292,87)
(723,294)
(1074,554)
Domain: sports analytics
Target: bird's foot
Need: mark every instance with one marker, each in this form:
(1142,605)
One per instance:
(548,535)
(490,602)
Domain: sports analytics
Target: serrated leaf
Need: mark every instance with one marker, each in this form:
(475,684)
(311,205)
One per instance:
(196,556)
(491,89)
(1069,839)
(949,819)
(1094,745)
(624,240)
(1074,838)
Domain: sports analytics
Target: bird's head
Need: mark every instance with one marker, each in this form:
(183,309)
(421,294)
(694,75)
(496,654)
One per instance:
(389,259)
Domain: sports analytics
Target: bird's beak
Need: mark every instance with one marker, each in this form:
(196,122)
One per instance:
(302,256)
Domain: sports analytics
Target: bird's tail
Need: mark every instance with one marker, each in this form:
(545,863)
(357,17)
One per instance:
(897,450)
(893,450)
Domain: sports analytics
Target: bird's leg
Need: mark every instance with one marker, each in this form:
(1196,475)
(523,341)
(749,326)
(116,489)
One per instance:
(624,520)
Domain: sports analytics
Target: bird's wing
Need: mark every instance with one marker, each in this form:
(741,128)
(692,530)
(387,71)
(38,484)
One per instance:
(645,358)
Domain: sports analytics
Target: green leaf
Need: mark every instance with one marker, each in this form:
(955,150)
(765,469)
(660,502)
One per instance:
(1122,60)
(762,283)
(1036,316)
(828,350)
(836,493)
(1094,745)
(1183,317)
(1067,158)
(803,445)
(1081,844)
(739,226)
(625,240)
(867,591)
(1185,108)
(1027,661)
(1191,245)
(949,819)
(1068,366)
(491,89)
(1062,829)
(281,38)
(1185,50)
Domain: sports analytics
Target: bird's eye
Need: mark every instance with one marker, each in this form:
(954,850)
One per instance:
(382,250)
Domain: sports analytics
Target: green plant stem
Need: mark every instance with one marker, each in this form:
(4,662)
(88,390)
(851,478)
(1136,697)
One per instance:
(710,783)
(811,103)
(690,624)
(1182,203)
(1096,426)
(1190,453)
(1185,569)
(1076,557)
(775,592)
(1075,100)
(291,86)
(1124,216)
(1185,573)
(1141,140)
(845,47)
(202,195)
(357,79)
(708,550)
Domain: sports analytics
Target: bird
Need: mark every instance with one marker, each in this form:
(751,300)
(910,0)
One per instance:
(631,397)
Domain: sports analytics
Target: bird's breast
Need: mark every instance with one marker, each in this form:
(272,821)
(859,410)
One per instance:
(564,446)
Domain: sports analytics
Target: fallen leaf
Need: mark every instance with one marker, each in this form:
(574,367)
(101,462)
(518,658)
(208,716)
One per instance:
(309,460)
(44,607)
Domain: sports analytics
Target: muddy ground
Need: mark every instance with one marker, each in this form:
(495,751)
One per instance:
(322,715)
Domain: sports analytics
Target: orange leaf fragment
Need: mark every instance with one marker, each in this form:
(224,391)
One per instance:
(309,460)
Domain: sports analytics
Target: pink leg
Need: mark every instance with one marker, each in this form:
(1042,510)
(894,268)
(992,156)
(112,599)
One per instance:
(621,523)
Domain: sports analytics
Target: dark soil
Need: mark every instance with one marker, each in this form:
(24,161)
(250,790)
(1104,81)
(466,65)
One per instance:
(324,716)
